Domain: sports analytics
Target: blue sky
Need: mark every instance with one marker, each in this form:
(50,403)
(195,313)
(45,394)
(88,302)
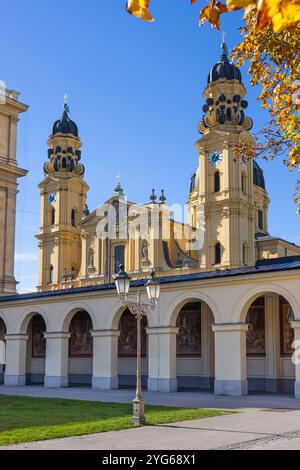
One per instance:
(135,91)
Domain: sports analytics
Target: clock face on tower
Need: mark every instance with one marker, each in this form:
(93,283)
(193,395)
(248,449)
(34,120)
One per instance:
(215,157)
(51,198)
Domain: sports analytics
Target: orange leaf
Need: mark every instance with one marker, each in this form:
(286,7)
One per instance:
(139,8)
(238,4)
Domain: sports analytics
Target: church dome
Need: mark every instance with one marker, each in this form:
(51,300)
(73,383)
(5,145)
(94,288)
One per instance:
(258,176)
(224,68)
(65,125)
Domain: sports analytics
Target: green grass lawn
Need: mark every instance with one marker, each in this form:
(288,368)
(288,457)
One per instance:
(25,419)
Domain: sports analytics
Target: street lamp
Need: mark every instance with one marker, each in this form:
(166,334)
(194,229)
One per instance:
(139,310)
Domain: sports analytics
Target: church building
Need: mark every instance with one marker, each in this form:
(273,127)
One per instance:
(229,310)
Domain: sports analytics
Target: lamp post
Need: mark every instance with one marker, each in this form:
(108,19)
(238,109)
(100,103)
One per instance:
(139,310)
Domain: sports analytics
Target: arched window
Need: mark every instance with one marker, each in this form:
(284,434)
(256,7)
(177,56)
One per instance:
(243,183)
(51,270)
(217,182)
(245,254)
(260,219)
(218,253)
(73,217)
(52,216)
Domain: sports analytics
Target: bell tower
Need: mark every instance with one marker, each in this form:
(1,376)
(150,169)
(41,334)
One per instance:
(63,199)
(222,186)
(10,108)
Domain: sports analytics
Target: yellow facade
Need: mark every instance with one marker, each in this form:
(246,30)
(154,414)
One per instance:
(227,206)
(10,108)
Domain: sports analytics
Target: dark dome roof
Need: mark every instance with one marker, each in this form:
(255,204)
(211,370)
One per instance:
(258,176)
(224,68)
(64,125)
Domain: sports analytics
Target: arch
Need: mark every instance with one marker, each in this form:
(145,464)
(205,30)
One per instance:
(114,316)
(179,302)
(246,300)
(26,316)
(70,311)
(4,319)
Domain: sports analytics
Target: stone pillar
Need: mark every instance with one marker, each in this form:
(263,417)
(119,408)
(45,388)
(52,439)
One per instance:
(105,359)
(230,359)
(162,359)
(272,328)
(296,356)
(206,346)
(15,370)
(57,358)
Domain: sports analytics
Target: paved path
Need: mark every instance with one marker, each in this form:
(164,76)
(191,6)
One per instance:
(264,422)
(197,399)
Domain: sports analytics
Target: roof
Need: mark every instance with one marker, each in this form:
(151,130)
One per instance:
(265,237)
(258,176)
(262,266)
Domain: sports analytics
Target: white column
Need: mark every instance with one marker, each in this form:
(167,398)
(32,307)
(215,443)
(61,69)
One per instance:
(105,359)
(296,356)
(15,370)
(230,359)
(57,358)
(272,328)
(206,346)
(162,359)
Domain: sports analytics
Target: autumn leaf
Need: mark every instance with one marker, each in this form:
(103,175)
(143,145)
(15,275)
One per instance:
(212,12)
(139,8)
(287,16)
(238,4)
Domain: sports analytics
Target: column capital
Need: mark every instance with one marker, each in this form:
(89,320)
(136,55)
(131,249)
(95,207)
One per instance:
(16,337)
(57,335)
(162,330)
(230,327)
(295,324)
(101,333)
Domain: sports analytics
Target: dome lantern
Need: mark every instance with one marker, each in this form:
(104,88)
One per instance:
(224,68)
(65,125)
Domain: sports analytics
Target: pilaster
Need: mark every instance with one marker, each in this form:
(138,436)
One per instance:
(105,360)
(162,359)
(15,371)
(230,359)
(57,357)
